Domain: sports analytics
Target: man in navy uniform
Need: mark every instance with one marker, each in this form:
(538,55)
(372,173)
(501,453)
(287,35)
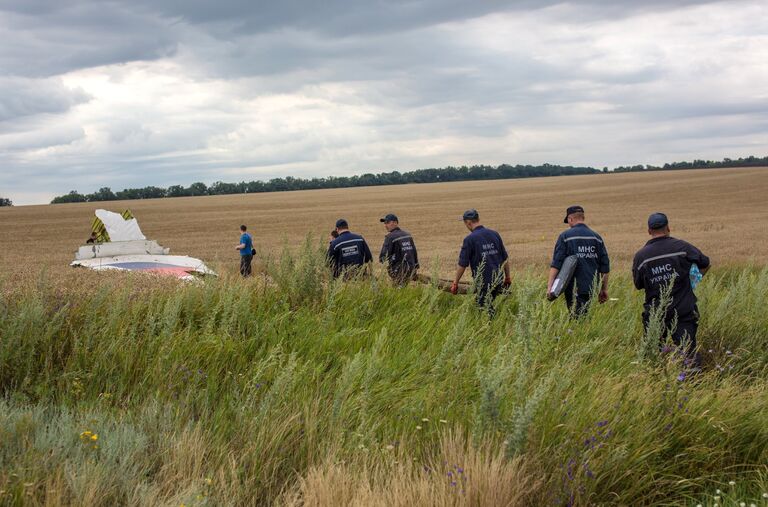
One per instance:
(483,251)
(348,252)
(662,262)
(398,251)
(592,261)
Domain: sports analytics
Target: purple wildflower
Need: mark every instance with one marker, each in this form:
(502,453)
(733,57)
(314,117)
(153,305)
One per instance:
(600,424)
(569,471)
(681,377)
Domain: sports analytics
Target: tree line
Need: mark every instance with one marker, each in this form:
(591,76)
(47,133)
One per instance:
(750,161)
(463,173)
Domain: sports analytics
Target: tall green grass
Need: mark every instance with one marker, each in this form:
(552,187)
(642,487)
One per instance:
(290,388)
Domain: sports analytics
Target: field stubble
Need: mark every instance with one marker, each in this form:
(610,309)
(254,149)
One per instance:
(721,211)
(120,389)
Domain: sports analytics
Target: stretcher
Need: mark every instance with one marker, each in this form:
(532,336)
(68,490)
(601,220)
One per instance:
(442,283)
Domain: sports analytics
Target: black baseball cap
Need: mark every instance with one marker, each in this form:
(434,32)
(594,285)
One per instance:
(389,217)
(470,214)
(657,221)
(341,224)
(572,209)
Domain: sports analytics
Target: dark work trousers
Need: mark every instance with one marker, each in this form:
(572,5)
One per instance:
(486,296)
(245,264)
(401,276)
(352,272)
(685,331)
(577,305)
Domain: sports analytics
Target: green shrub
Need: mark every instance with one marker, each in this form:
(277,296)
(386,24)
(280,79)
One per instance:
(227,391)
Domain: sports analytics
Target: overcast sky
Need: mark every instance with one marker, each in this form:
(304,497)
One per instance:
(161,92)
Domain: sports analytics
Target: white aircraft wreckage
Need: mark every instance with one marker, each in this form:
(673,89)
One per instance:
(117,243)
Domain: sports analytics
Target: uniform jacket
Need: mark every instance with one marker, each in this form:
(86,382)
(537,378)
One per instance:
(348,250)
(399,251)
(663,261)
(589,249)
(484,247)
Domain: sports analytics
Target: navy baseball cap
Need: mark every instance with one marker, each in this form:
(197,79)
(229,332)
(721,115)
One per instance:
(657,221)
(572,209)
(389,218)
(470,214)
(341,224)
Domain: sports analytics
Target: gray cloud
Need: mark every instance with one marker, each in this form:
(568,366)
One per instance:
(21,97)
(45,38)
(173,91)
(42,39)
(351,17)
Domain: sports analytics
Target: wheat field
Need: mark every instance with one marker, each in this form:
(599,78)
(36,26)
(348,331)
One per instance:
(292,389)
(721,211)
